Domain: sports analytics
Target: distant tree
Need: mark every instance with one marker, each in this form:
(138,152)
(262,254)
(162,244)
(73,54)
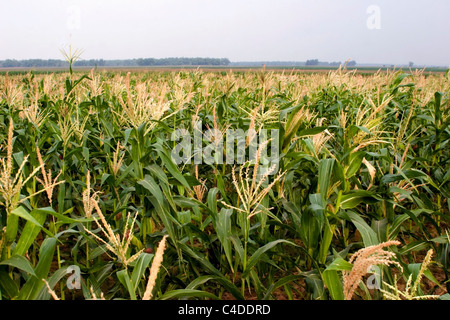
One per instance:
(10,63)
(312,62)
(145,62)
(224,61)
(351,63)
(411,64)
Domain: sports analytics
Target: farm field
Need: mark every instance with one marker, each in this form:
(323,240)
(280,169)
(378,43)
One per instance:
(250,184)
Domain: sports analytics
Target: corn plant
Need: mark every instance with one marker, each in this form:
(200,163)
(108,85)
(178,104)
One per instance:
(93,205)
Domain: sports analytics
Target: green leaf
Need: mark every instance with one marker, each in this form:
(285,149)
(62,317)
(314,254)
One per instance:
(221,187)
(184,202)
(326,241)
(409,174)
(355,161)
(85,152)
(142,264)
(170,165)
(32,287)
(258,253)
(400,219)
(437,108)
(124,279)
(212,201)
(413,246)
(325,170)
(223,228)
(12,226)
(355,197)
(52,281)
(18,157)
(291,128)
(334,284)
(187,293)
(159,202)
(126,134)
(415,269)
(238,247)
(447,295)
(158,173)
(19,262)
(105,177)
(23,213)
(62,218)
(281,282)
(30,232)
(211,269)
(440,239)
(339,264)
(315,284)
(8,286)
(311,131)
(310,229)
(368,235)
(380,228)
(201,280)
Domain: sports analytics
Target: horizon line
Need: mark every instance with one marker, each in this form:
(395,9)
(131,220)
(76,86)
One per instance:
(245,61)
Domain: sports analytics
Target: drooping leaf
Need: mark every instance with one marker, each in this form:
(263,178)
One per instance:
(19,262)
(32,287)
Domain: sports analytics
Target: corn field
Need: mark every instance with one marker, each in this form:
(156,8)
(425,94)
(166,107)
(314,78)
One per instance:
(93,205)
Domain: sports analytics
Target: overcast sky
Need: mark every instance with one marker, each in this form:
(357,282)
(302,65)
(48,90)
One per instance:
(375,31)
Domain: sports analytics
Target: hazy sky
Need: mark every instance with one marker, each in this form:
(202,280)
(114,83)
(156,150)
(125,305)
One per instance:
(375,31)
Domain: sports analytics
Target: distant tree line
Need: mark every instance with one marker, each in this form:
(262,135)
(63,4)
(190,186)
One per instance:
(311,62)
(267,63)
(148,62)
(183,62)
(54,63)
(316,62)
(33,63)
